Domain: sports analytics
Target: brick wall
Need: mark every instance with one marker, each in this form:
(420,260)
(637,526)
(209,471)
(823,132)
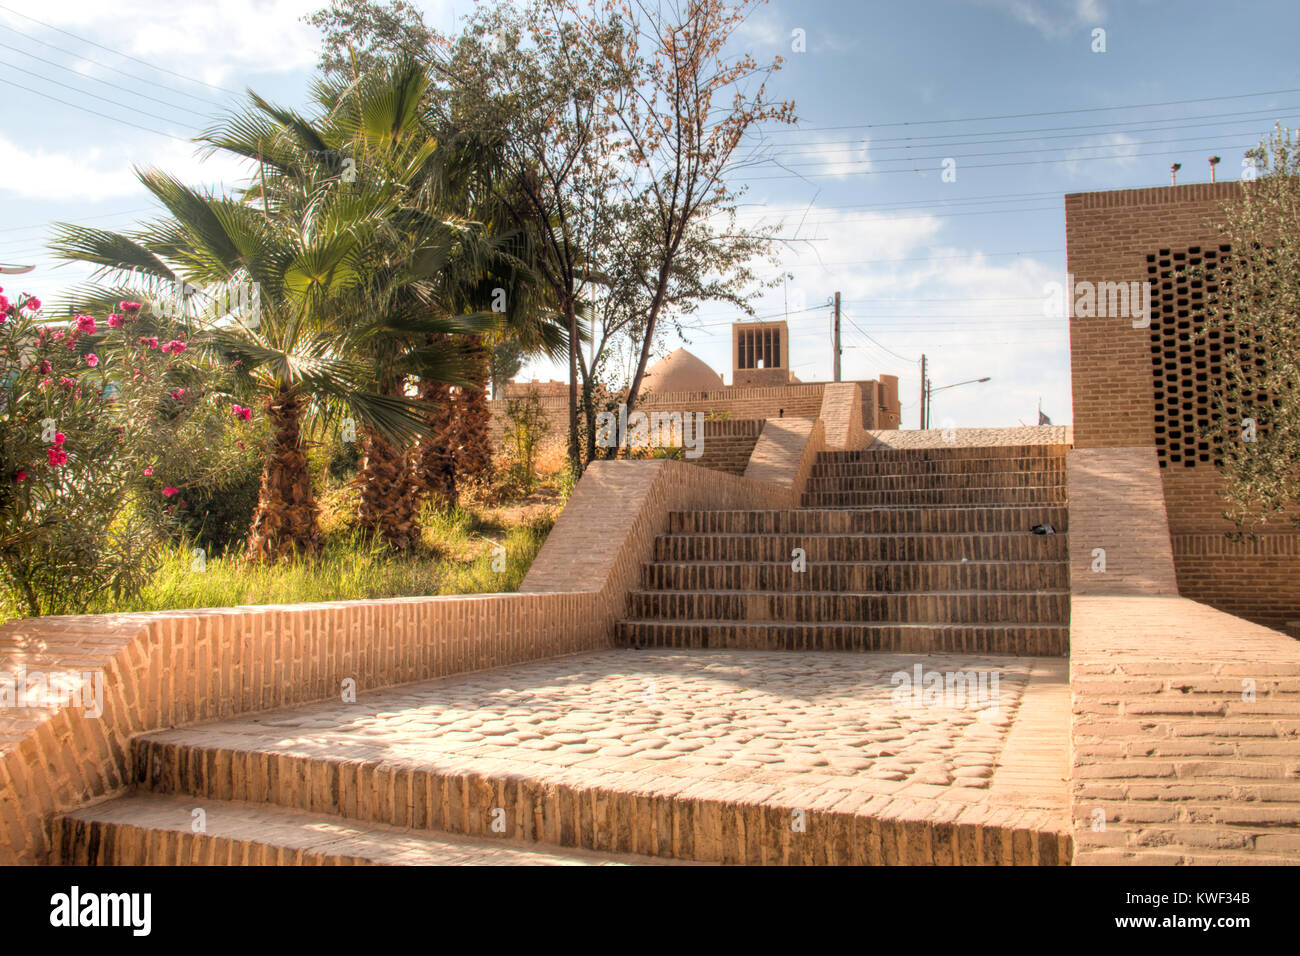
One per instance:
(168,668)
(1109,236)
(1117,505)
(1186,735)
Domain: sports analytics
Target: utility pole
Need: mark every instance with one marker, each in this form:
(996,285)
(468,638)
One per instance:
(837,336)
(924,393)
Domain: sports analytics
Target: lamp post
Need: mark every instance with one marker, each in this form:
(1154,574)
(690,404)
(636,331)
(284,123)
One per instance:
(930,390)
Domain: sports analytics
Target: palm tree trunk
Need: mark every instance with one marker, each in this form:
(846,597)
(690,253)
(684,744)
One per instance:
(474,460)
(434,458)
(388,499)
(286,520)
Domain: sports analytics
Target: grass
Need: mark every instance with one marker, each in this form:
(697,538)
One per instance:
(458,555)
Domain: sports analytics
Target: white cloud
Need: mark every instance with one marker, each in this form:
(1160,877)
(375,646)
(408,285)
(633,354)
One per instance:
(1116,150)
(204,41)
(1052,18)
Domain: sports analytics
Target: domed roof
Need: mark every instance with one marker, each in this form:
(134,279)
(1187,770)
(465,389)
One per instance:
(680,371)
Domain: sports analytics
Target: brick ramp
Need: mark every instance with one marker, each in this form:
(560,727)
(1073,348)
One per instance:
(1167,752)
(148,829)
(731,757)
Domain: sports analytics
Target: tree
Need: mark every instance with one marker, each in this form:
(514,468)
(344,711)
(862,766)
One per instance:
(1255,398)
(302,243)
(105,422)
(681,108)
(363,35)
(530,81)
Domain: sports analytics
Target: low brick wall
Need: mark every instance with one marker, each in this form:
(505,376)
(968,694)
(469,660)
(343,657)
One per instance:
(1117,505)
(607,530)
(167,668)
(842,412)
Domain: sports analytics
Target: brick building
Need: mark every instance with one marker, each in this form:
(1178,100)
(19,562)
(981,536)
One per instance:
(762,386)
(1145,384)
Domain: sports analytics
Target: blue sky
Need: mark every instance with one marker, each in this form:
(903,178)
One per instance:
(885,91)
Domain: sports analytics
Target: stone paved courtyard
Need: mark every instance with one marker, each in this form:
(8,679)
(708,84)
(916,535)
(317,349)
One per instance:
(824,724)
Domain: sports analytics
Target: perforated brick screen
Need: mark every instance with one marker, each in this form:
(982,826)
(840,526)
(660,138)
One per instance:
(1184,357)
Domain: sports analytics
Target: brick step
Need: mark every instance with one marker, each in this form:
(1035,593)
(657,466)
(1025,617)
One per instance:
(857,576)
(933,519)
(946,453)
(606,812)
(1029,640)
(151,829)
(862,547)
(937,607)
(1037,495)
(882,466)
(983,479)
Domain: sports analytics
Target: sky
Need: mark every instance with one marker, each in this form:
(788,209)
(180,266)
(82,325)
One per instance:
(1023,100)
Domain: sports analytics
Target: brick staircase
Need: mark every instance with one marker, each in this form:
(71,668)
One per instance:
(727,444)
(911,550)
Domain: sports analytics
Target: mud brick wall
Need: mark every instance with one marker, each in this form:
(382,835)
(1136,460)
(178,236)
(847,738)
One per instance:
(727,445)
(166,668)
(1173,762)
(1109,236)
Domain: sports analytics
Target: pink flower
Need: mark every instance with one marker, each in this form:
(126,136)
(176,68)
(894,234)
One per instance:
(169,491)
(149,470)
(178,394)
(4,304)
(239,444)
(243,414)
(33,304)
(45,382)
(150,340)
(58,335)
(46,366)
(67,382)
(115,321)
(129,306)
(86,323)
(92,359)
(175,345)
(57,457)
(60,438)
(21,476)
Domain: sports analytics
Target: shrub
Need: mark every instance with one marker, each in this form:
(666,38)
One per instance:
(104,428)
(525,427)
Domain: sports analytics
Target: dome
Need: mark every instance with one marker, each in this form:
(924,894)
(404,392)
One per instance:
(680,371)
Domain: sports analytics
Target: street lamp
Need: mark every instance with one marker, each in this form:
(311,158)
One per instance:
(930,390)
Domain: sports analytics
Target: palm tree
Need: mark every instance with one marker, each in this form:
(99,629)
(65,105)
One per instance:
(306,251)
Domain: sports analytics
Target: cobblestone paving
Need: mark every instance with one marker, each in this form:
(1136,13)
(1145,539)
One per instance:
(963,437)
(813,720)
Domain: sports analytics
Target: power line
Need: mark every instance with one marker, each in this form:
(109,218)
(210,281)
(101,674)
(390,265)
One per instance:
(87,109)
(125,106)
(903,358)
(95,79)
(1006,152)
(117,52)
(1002,116)
(1035,162)
(1097,128)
